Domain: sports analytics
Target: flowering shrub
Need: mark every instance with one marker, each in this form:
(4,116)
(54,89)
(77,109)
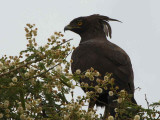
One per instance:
(33,85)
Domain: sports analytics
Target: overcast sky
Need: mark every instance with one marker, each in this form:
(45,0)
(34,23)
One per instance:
(138,35)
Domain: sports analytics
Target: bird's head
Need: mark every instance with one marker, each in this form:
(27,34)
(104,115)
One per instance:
(94,24)
(77,25)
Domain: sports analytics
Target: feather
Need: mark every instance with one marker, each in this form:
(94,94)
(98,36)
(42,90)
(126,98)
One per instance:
(107,18)
(107,29)
(106,26)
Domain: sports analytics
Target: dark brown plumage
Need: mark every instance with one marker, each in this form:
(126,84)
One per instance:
(96,51)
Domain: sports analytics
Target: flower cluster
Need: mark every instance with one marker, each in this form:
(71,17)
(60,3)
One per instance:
(36,79)
(34,84)
(74,111)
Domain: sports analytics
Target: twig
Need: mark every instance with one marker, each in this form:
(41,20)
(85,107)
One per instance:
(20,66)
(42,72)
(148,106)
(147,101)
(61,44)
(47,70)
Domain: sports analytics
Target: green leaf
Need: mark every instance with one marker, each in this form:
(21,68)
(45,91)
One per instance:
(41,65)
(22,98)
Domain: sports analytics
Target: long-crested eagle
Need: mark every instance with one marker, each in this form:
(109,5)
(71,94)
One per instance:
(96,51)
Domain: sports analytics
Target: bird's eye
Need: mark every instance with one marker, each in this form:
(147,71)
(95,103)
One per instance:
(79,23)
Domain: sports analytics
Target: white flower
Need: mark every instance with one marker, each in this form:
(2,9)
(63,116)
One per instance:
(110,118)
(59,68)
(1,115)
(110,93)
(45,85)
(28,106)
(82,103)
(39,101)
(59,87)
(91,113)
(6,103)
(26,74)
(97,74)
(28,118)
(106,78)
(34,102)
(7,110)
(14,79)
(82,83)
(99,90)
(66,117)
(96,87)
(39,109)
(31,70)
(119,100)
(1,64)
(136,117)
(19,103)
(79,97)
(122,91)
(87,94)
(87,74)
(85,85)
(30,41)
(82,118)
(11,63)
(70,107)
(72,86)
(20,109)
(11,84)
(98,80)
(22,117)
(78,71)
(26,29)
(46,46)
(7,115)
(34,32)
(6,106)
(29,25)
(52,37)
(91,78)
(116,109)
(28,35)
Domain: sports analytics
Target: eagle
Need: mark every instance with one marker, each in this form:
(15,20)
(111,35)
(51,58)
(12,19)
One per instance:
(96,51)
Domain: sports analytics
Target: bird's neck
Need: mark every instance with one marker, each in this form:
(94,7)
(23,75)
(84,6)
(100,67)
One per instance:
(90,35)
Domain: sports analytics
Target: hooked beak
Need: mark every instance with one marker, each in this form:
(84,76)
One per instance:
(68,27)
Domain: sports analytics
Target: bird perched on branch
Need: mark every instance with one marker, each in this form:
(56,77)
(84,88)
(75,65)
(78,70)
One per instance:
(96,51)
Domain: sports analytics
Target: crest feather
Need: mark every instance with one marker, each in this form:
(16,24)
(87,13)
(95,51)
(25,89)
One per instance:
(106,26)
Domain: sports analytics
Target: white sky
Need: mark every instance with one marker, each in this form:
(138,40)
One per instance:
(138,35)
